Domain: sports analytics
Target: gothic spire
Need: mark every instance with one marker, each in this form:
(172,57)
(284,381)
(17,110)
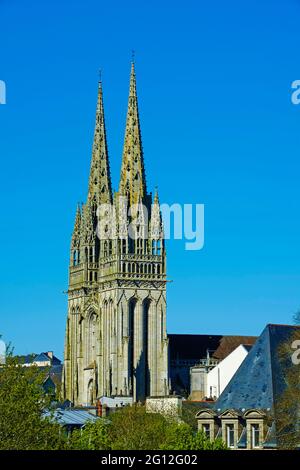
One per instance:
(100,183)
(133,179)
(156,226)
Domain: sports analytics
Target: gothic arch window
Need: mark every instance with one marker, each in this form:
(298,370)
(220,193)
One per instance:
(153,247)
(90,392)
(91,255)
(158,247)
(146,322)
(131,316)
(92,338)
(80,324)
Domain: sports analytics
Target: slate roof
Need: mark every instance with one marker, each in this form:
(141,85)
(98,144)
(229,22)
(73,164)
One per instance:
(259,382)
(71,417)
(195,347)
(41,357)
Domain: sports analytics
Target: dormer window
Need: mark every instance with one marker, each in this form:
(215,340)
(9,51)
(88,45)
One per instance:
(206,429)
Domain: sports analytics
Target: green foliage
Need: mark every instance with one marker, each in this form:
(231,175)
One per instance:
(22,401)
(180,436)
(131,428)
(189,410)
(94,436)
(287,408)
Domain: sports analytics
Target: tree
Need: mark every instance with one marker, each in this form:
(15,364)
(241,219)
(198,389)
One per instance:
(93,436)
(22,403)
(132,428)
(287,406)
(180,436)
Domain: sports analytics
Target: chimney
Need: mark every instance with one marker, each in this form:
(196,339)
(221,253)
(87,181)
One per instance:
(99,408)
(50,355)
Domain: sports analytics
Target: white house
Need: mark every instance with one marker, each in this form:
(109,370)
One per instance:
(218,377)
(210,376)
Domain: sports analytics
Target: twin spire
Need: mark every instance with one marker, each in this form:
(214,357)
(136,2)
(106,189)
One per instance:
(100,182)
(133,180)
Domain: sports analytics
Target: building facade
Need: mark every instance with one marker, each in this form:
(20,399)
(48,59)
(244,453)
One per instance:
(116,341)
(210,377)
(259,406)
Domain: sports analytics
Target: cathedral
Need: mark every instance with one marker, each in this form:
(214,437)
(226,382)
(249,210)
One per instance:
(116,342)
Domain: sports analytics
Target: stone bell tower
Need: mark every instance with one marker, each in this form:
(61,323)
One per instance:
(116,341)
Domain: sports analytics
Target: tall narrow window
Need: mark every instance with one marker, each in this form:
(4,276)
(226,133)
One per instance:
(131,314)
(146,321)
(230,435)
(254,435)
(206,430)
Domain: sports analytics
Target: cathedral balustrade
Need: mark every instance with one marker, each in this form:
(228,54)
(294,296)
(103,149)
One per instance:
(136,257)
(141,276)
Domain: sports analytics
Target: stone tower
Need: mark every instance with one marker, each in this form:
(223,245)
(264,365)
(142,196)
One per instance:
(116,341)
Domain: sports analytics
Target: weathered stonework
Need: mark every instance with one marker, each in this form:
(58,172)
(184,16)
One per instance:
(116,341)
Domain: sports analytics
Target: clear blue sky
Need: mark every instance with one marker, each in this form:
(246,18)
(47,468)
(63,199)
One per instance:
(218,128)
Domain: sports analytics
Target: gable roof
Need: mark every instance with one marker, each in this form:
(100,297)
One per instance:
(41,357)
(259,381)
